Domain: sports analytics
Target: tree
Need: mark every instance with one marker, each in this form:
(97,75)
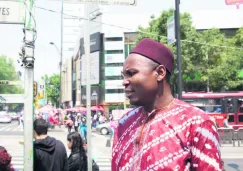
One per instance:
(209,58)
(8,72)
(52,88)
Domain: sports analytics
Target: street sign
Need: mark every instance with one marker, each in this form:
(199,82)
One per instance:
(108,2)
(234,2)
(171,30)
(12,12)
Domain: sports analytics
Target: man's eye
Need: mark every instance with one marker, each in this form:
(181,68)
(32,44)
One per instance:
(130,74)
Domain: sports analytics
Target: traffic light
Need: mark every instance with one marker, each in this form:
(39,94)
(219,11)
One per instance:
(4,82)
(35,89)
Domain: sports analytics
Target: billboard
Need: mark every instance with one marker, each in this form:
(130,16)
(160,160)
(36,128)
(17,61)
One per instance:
(93,98)
(95,69)
(95,43)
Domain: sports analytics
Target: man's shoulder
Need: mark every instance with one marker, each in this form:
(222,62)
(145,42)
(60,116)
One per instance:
(129,115)
(192,111)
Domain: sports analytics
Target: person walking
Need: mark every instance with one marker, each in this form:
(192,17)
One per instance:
(69,124)
(83,128)
(77,161)
(49,154)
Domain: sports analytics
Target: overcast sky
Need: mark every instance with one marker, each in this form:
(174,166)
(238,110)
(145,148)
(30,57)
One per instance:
(205,13)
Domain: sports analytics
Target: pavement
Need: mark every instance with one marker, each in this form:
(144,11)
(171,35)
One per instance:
(11,134)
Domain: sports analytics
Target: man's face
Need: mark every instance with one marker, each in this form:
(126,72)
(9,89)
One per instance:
(140,80)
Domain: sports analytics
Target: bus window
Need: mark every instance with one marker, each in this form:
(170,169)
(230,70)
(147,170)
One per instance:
(231,118)
(229,106)
(240,106)
(240,117)
(207,105)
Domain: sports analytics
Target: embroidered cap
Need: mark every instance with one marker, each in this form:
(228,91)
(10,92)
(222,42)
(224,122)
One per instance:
(156,51)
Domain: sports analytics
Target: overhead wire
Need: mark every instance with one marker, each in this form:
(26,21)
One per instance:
(140,31)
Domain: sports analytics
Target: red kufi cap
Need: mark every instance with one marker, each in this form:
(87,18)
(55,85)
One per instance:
(155,51)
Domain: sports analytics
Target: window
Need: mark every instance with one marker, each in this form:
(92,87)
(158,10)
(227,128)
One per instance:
(112,65)
(231,118)
(113,78)
(113,39)
(114,91)
(207,105)
(114,51)
(240,117)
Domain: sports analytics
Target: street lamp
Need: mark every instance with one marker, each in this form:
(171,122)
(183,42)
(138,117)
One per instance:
(60,64)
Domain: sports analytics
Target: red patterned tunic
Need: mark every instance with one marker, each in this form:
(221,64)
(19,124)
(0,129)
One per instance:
(179,138)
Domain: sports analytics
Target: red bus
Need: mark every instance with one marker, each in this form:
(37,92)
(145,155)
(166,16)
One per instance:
(219,105)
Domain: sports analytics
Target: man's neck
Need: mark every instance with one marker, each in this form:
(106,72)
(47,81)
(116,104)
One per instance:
(160,102)
(40,137)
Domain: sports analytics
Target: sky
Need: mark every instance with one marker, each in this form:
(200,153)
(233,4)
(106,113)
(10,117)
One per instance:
(205,14)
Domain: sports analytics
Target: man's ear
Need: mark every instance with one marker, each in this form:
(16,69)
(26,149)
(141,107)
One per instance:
(161,73)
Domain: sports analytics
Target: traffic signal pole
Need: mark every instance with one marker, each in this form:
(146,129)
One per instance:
(27,57)
(178,47)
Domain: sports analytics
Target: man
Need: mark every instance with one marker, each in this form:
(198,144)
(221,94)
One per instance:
(162,133)
(49,153)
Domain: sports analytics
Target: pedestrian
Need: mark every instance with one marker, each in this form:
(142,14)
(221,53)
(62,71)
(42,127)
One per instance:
(69,124)
(5,160)
(77,161)
(83,128)
(162,133)
(49,153)
(76,124)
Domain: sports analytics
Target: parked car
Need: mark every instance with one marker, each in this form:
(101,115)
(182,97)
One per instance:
(14,115)
(5,117)
(104,128)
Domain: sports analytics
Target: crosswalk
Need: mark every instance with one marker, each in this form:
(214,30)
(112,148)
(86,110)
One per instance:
(18,162)
(11,128)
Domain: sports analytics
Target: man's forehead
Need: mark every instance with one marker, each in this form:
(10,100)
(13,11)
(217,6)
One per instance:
(137,60)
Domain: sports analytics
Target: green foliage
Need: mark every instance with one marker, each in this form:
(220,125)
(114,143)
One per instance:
(8,72)
(52,88)
(206,55)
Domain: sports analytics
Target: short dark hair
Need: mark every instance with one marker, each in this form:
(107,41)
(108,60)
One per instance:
(40,126)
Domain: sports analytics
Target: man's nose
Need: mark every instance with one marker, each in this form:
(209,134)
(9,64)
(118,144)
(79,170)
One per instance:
(125,82)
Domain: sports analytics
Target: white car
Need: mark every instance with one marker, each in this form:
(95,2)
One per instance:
(104,128)
(5,117)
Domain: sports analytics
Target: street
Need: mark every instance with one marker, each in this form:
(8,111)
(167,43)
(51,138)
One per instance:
(11,134)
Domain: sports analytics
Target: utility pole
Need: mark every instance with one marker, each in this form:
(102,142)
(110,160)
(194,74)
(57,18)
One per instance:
(178,47)
(88,89)
(60,102)
(27,57)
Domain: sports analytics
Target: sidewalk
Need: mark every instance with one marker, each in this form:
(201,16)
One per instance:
(230,152)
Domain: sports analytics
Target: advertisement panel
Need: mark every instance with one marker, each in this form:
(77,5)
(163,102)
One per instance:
(95,43)
(94,99)
(171,30)
(114,58)
(95,69)
(114,84)
(113,71)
